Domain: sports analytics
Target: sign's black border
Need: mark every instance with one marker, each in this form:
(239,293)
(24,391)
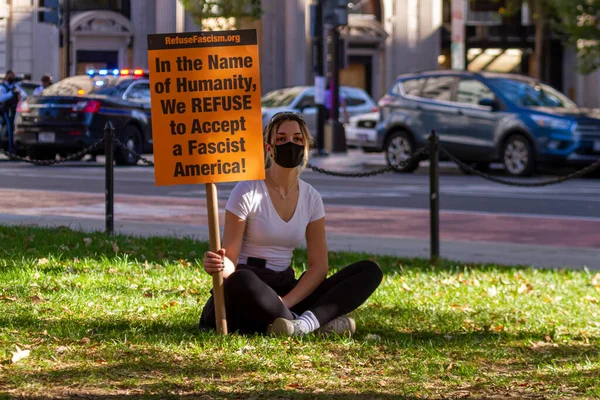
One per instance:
(158,41)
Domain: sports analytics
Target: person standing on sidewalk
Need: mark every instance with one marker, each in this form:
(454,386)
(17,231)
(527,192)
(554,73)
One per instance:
(9,98)
(265,221)
(46,81)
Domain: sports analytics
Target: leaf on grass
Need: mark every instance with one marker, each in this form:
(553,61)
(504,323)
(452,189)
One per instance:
(405,287)
(43,261)
(450,366)
(539,346)
(171,304)
(591,299)
(146,265)
(87,241)
(8,298)
(493,291)
(115,247)
(133,286)
(450,282)
(373,336)
(19,355)
(525,288)
(84,340)
(61,349)
(101,361)
(148,294)
(497,328)
(596,280)
(36,299)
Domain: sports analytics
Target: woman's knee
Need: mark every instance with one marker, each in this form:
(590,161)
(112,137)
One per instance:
(372,270)
(240,280)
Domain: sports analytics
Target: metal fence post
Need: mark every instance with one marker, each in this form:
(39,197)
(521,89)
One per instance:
(434,196)
(109,132)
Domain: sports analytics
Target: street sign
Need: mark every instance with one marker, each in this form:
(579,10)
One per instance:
(206,107)
(457,47)
(49,12)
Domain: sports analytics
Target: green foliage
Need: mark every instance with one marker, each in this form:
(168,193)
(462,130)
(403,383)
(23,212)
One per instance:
(580,20)
(218,10)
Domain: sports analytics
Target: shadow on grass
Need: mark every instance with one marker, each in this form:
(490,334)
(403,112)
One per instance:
(26,242)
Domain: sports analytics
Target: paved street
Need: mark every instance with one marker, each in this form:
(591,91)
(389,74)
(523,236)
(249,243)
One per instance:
(387,214)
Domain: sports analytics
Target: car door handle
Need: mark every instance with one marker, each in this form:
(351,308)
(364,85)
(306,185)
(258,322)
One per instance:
(459,112)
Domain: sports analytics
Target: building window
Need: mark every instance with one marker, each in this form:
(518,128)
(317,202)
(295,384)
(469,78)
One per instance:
(120,6)
(372,7)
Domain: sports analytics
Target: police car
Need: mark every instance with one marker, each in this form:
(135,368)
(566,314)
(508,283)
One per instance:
(71,114)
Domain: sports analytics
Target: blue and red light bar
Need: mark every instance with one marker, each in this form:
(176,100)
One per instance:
(115,72)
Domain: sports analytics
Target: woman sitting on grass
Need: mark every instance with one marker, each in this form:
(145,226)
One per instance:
(264,222)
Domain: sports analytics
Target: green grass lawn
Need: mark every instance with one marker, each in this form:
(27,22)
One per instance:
(116,317)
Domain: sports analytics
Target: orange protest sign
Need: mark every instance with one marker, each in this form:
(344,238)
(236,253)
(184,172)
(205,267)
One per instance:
(206,111)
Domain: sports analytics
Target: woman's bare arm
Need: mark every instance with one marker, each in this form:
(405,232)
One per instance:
(233,234)
(318,264)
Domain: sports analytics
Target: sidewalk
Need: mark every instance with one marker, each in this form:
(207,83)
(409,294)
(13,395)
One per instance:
(465,237)
(355,160)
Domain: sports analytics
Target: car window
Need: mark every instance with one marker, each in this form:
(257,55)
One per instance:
(532,94)
(139,92)
(306,101)
(438,88)
(472,91)
(83,84)
(280,98)
(412,87)
(28,88)
(354,101)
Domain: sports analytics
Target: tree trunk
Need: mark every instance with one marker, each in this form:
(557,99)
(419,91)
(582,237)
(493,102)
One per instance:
(540,36)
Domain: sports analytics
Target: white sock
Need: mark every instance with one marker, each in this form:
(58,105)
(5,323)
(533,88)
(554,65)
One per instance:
(308,322)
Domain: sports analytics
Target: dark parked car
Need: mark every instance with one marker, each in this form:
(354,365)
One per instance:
(71,114)
(487,117)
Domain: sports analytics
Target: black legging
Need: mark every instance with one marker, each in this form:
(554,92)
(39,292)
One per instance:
(252,302)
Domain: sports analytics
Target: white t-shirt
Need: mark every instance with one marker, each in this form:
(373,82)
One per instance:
(267,236)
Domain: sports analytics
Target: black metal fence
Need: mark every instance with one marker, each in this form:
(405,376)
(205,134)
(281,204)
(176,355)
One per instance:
(432,153)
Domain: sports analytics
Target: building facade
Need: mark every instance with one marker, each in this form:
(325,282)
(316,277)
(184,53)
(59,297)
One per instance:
(384,38)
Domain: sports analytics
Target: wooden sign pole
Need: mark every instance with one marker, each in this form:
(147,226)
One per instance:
(215,245)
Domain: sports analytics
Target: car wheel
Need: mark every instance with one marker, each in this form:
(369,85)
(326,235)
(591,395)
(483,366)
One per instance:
(399,147)
(518,157)
(132,139)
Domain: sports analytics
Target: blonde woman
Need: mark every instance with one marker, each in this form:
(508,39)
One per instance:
(264,222)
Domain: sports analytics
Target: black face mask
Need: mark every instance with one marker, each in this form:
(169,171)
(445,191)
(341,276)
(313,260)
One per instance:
(289,155)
